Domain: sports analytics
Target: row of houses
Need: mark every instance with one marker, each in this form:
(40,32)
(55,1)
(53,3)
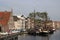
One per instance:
(9,22)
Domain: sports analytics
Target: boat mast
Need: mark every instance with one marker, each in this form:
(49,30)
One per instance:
(34,18)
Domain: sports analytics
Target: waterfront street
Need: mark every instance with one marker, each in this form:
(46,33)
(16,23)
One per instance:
(29,20)
(55,36)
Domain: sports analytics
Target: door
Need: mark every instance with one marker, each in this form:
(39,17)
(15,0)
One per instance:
(0,29)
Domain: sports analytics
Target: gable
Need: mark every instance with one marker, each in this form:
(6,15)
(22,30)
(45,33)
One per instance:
(4,17)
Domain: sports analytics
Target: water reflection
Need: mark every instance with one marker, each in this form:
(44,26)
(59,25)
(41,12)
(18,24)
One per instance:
(29,37)
(45,38)
(55,36)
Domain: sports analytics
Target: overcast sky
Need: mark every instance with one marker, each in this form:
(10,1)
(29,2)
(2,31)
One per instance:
(52,7)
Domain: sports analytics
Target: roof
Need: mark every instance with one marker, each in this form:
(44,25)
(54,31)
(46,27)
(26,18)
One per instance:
(15,18)
(4,17)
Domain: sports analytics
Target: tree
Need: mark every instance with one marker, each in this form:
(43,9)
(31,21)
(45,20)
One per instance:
(44,15)
(41,17)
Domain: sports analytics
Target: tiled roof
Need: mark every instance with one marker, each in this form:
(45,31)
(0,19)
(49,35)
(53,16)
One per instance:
(4,17)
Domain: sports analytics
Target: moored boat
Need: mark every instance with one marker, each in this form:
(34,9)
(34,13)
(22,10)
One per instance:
(51,31)
(44,33)
(31,32)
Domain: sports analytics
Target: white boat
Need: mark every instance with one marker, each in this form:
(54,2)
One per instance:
(3,33)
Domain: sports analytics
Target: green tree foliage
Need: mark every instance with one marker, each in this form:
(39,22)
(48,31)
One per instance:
(43,15)
(38,17)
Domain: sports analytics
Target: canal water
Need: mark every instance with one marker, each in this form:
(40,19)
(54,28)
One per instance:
(55,36)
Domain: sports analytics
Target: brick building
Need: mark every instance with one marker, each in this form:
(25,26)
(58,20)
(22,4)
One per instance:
(56,24)
(6,21)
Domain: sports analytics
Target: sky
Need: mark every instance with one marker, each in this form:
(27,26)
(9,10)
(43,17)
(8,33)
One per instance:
(24,7)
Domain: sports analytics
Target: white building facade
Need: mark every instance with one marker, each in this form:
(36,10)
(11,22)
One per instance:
(20,23)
